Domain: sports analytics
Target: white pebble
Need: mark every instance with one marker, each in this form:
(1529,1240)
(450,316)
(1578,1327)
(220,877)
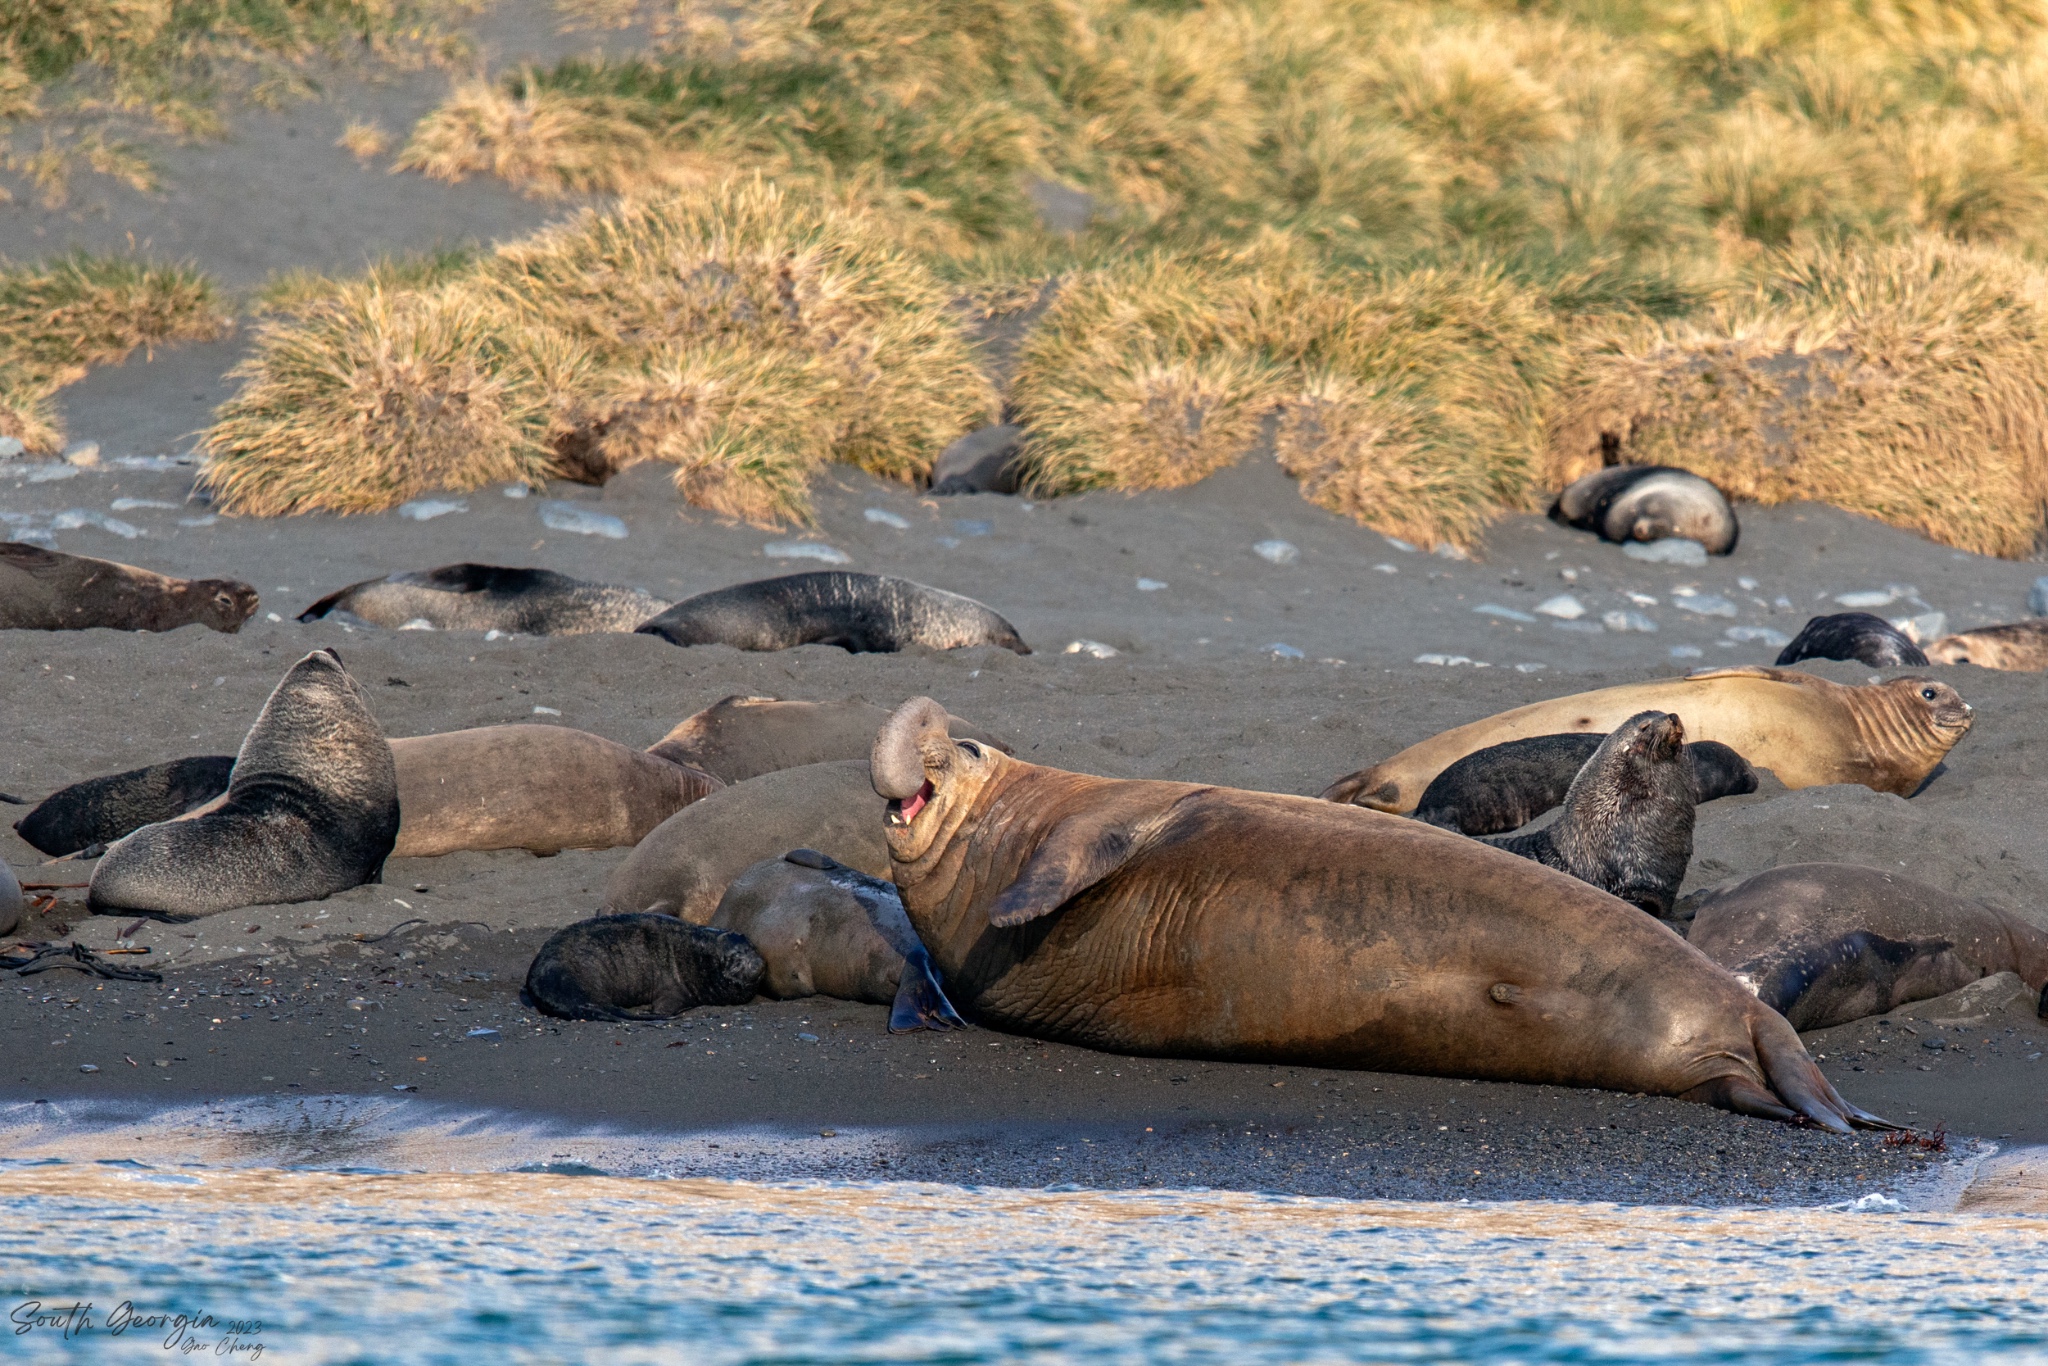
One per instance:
(1281,651)
(1686,652)
(1746,584)
(1094,649)
(1758,635)
(1398,544)
(1445,550)
(1627,621)
(43,474)
(884,517)
(1150,585)
(418,624)
(517,490)
(1928,626)
(1494,609)
(581,520)
(1530,668)
(1676,550)
(1564,607)
(1873,597)
(1641,599)
(545,711)
(273,616)
(806,550)
(208,520)
(1446,660)
(1277,552)
(12,448)
(427,509)
(130,504)
(1386,569)
(1705,605)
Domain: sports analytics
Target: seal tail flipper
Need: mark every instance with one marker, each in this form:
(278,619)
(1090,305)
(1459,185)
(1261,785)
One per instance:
(920,1001)
(1793,1090)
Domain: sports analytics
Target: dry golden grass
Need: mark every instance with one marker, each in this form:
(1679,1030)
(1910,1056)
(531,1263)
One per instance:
(365,141)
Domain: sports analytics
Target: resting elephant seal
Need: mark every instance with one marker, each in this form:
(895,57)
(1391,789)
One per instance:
(1504,787)
(1859,636)
(1887,736)
(1649,503)
(489,597)
(47,590)
(12,906)
(311,809)
(101,810)
(2021,646)
(1166,918)
(640,967)
(738,737)
(1826,943)
(860,613)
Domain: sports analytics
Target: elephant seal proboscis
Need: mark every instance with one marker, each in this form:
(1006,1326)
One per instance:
(1649,503)
(640,967)
(47,590)
(1859,636)
(1626,827)
(1169,919)
(489,597)
(1826,943)
(737,738)
(1504,787)
(2021,646)
(860,613)
(1887,736)
(311,809)
(101,810)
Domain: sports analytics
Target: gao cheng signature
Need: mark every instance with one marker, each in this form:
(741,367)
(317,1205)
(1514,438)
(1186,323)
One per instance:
(186,1334)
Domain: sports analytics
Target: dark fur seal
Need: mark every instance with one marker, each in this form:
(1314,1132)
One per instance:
(489,597)
(47,590)
(739,737)
(1853,635)
(101,810)
(860,613)
(311,809)
(1505,787)
(640,967)
(1649,503)
(1826,943)
(2021,646)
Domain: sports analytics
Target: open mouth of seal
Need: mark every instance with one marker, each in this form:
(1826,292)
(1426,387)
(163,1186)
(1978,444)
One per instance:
(903,810)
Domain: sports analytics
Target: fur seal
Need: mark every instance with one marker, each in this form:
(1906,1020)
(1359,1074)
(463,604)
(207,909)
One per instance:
(1165,918)
(740,737)
(1888,736)
(1649,503)
(2021,646)
(860,613)
(1853,635)
(1826,943)
(640,967)
(1504,787)
(489,597)
(47,590)
(311,809)
(101,810)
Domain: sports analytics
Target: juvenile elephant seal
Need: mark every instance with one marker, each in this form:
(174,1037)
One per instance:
(1504,787)
(1887,736)
(640,967)
(1826,943)
(1853,635)
(47,590)
(2021,646)
(1649,503)
(860,613)
(489,597)
(737,737)
(1166,918)
(311,809)
(101,810)
(12,906)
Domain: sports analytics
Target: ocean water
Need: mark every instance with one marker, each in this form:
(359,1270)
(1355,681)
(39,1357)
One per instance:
(327,1266)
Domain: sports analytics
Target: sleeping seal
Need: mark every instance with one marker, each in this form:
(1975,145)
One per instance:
(47,590)
(640,967)
(860,613)
(101,810)
(311,809)
(1504,787)
(12,906)
(489,597)
(1853,635)
(738,737)
(1649,503)
(2021,646)
(1185,921)
(1826,943)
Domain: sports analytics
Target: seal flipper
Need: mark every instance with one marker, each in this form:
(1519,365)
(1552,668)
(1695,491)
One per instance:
(920,1001)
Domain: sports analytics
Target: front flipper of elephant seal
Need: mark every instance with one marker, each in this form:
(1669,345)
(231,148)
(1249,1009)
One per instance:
(101,810)
(1826,943)
(1504,787)
(1169,919)
(1859,636)
(489,597)
(640,967)
(47,590)
(860,613)
(739,737)
(311,809)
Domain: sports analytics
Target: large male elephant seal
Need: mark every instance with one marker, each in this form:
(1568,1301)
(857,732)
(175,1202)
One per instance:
(738,737)
(489,597)
(1504,787)
(101,810)
(1166,918)
(47,590)
(860,613)
(1649,503)
(311,809)
(640,967)
(1826,943)
(2021,646)
(1887,736)
(1859,636)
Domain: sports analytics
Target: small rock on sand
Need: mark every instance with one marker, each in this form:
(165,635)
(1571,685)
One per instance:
(1758,635)
(1675,550)
(569,517)
(1627,621)
(1494,609)
(427,509)
(884,517)
(1564,607)
(1704,604)
(1277,552)
(1094,649)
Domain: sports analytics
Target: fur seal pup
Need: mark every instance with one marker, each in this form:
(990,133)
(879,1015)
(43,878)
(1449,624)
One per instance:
(489,597)
(101,810)
(1853,635)
(311,809)
(47,590)
(740,737)
(1887,736)
(640,967)
(1649,503)
(1826,943)
(860,613)
(2021,646)
(1170,919)
(1504,787)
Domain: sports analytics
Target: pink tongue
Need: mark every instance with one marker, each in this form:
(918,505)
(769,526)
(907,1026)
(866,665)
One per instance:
(910,806)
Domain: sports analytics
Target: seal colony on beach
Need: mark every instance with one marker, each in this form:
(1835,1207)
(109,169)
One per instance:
(1649,503)
(489,597)
(1503,787)
(48,590)
(860,613)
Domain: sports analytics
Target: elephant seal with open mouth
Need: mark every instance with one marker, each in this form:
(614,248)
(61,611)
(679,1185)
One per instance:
(860,613)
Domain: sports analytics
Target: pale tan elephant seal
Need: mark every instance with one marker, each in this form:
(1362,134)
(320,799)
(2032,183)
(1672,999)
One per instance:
(740,737)
(2021,646)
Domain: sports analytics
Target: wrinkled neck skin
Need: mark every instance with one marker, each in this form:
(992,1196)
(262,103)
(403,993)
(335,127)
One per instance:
(1893,726)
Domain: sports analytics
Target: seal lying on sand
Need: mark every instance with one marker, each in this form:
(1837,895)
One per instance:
(739,737)
(1887,736)
(12,905)
(2021,646)
(640,967)
(1853,635)
(860,613)
(311,809)
(1649,503)
(1826,943)
(101,810)
(489,597)
(1166,918)
(47,590)
(1504,787)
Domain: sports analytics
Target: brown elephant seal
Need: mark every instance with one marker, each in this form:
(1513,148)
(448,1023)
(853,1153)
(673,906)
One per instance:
(685,864)
(1626,826)
(489,597)
(860,613)
(1165,918)
(311,809)
(737,738)
(2021,646)
(640,967)
(1888,736)
(1826,943)
(12,905)
(47,590)
(1859,636)
(1649,503)
(101,810)
(1504,787)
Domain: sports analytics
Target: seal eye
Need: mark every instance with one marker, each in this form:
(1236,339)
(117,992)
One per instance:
(1928,693)
(971,748)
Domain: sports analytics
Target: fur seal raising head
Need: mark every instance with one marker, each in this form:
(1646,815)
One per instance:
(2021,646)
(101,810)
(860,613)
(47,590)
(489,597)
(640,967)
(736,738)
(1853,635)
(1506,786)
(1649,503)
